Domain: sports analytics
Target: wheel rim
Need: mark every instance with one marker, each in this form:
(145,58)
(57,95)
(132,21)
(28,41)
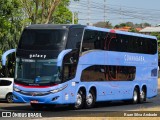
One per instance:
(135,97)
(9,98)
(79,100)
(89,99)
(142,95)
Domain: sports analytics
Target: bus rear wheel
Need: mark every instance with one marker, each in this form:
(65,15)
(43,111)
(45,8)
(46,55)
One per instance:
(79,100)
(135,98)
(90,99)
(143,96)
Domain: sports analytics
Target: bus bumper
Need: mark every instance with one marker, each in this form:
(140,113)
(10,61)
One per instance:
(47,99)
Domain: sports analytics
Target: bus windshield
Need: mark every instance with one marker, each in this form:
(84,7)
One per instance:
(39,72)
(43,39)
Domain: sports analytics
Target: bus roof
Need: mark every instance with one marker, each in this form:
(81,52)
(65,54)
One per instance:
(121,32)
(63,26)
(52,26)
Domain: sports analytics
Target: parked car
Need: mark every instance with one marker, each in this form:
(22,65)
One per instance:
(6,89)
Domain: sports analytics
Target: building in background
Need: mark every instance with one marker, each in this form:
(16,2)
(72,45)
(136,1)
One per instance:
(128,29)
(149,30)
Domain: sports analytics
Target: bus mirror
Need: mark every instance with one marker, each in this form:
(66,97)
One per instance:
(61,56)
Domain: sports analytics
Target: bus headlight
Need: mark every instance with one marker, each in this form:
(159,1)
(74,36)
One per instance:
(16,89)
(58,89)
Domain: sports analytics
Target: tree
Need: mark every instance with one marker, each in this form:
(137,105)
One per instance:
(106,24)
(10,23)
(47,11)
(132,25)
(132,30)
(142,25)
(120,25)
(11,19)
(62,15)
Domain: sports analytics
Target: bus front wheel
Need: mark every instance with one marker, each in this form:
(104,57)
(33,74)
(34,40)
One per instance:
(79,100)
(90,99)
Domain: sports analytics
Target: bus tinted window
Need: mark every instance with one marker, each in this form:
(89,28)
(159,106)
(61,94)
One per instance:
(133,44)
(74,38)
(93,40)
(108,73)
(94,73)
(44,39)
(118,42)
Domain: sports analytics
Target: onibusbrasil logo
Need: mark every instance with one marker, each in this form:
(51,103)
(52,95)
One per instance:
(21,114)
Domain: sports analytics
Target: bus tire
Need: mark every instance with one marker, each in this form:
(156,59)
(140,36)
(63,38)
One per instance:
(90,99)
(143,95)
(135,98)
(79,100)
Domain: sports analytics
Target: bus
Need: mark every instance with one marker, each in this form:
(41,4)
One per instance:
(80,65)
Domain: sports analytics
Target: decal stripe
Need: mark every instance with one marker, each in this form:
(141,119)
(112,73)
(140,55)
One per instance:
(27,86)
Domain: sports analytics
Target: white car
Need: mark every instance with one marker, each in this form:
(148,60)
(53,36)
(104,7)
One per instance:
(6,89)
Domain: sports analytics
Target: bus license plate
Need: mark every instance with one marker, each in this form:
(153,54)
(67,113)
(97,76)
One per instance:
(34,101)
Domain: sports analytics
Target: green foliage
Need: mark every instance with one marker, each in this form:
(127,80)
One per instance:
(132,30)
(106,24)
(47,11)
(10,23)
(156,34)
(132,25)
(62,15)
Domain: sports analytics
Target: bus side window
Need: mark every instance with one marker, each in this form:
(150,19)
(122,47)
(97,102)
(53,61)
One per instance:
(153,46)
(93,73)
(74,38)
(112,44)
(91,40)
(70,62)
(112,70)
(125,73)
(97,43)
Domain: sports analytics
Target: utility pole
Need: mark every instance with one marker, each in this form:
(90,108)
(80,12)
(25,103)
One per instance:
(88,17)
(73,12)
(104,10)
(72,17)
(121,19)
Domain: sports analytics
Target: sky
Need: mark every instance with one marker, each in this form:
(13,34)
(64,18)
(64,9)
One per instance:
(117,11)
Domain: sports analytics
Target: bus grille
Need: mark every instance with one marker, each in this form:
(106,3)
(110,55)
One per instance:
(34,93)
